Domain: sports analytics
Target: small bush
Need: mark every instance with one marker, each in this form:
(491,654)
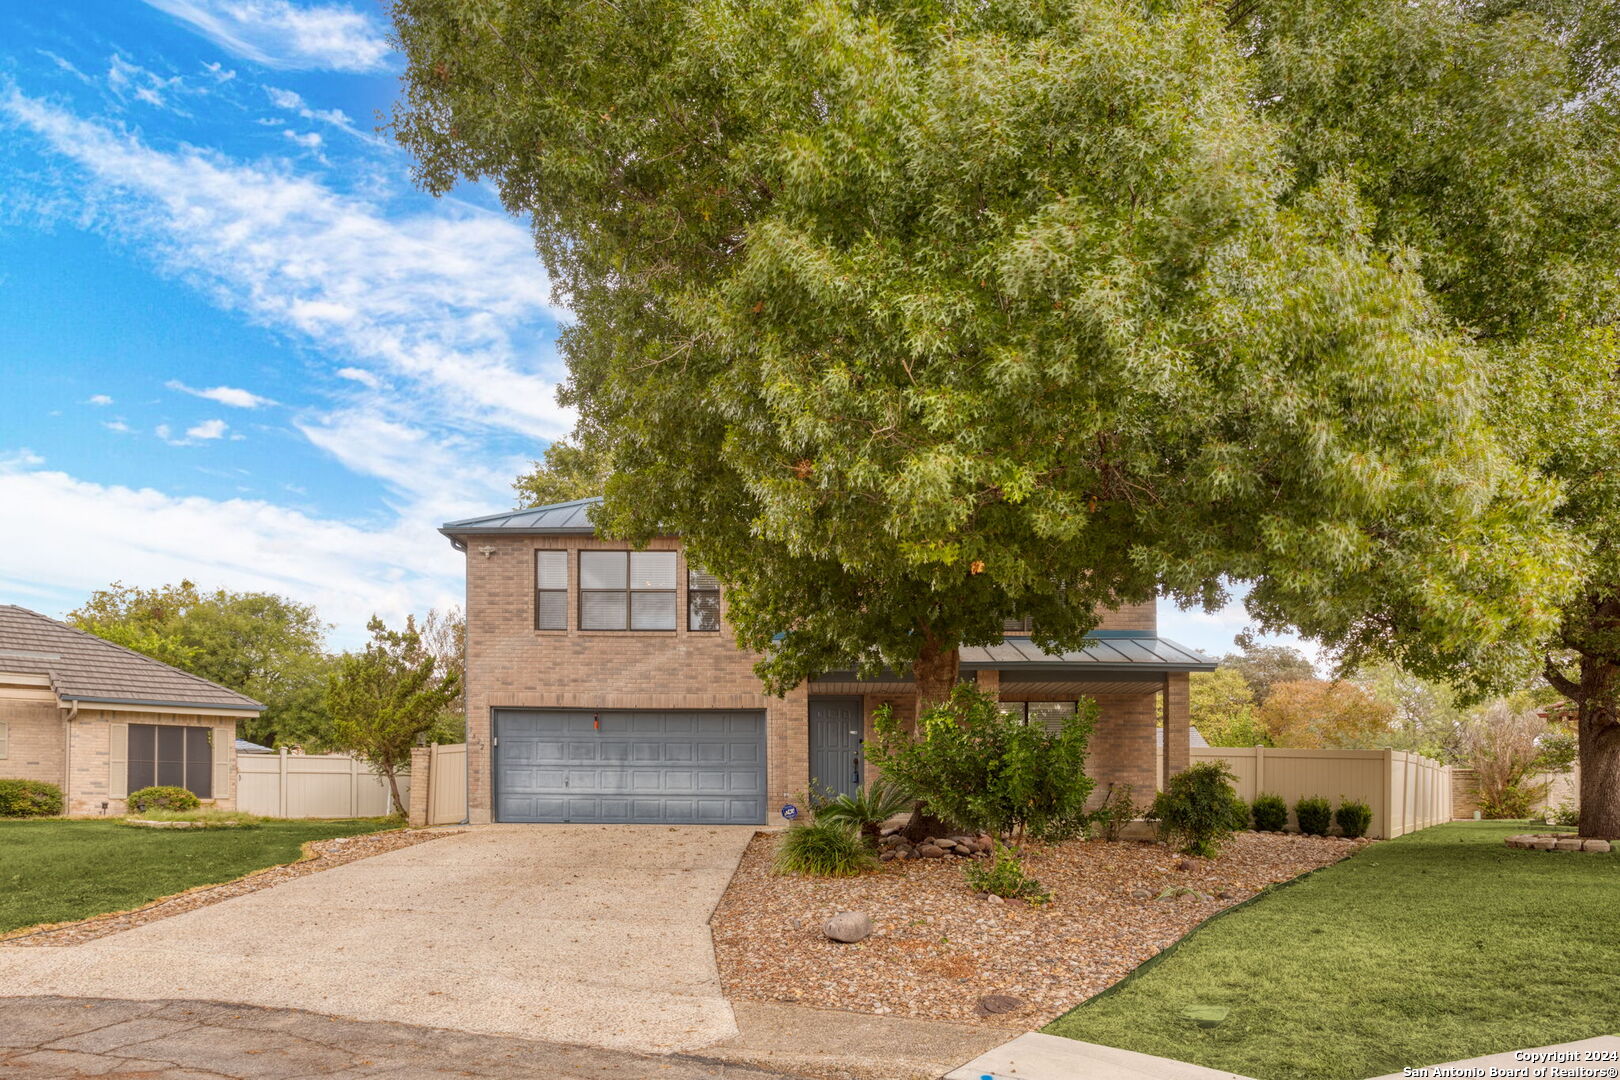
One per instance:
(1564,814)
(1118,810)
(824,849)
(162,798)
(867,809)
(1198,811)
(1270,813)
(1314,814)
(1005,876)
(1512,801)
(29,798)
(1354,818)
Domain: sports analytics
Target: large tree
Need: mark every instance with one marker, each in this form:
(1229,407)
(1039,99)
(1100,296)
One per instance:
(1485,140)
(912,317)
(259,644)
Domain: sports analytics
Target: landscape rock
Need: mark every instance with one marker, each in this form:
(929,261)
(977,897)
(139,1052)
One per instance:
(1542,844)
(1185,864)
(1571,844)
(848,927)
(1595,845)
(886,856)
(1141,894)
(929,851)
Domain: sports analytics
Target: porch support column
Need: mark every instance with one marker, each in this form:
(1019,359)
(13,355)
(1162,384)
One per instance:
(990,683)
(1176,718)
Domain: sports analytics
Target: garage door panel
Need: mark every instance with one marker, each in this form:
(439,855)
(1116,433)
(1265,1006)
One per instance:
(644,766)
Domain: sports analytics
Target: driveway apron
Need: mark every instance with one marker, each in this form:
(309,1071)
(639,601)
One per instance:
(589,934)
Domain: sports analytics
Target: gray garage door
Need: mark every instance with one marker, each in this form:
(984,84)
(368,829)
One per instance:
(678,768)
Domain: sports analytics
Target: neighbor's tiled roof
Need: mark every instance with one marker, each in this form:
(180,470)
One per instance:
(568,517)
(87,669)
(1121,652)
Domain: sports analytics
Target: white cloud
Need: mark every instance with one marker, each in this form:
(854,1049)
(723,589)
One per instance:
(116,425)
(224,395)
(452,303)
(348,570)
(208,429)
(20,457)
(277,34)
(219,71)
(100,399)
(359,375)
(284,99)
(294,102)
(128,79)
(309,140)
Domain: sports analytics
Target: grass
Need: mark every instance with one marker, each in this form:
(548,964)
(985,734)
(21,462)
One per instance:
(1441,945)
(59,870)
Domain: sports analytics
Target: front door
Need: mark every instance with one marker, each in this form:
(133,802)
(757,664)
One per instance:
(835,746)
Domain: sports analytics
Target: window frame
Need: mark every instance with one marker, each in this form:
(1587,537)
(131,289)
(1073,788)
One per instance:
(630,592)
(693,592)
(196,775)
(538,552)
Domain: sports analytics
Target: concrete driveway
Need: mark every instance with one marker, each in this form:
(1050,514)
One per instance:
(589,934)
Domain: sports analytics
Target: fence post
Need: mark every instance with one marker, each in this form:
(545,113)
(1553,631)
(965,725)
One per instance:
(281,785)
(431,779)
(354,787)
(1389,794)
(1259,771)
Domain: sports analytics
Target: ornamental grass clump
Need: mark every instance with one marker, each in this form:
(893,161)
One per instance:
(867,809)
(1314,814)
(824,849)
(1198,811)
(1354,818)
(1270,813)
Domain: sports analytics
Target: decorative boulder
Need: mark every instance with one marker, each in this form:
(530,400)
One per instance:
(929,851)
(1572,844)
(848,927)
(1595,845)
(1543,844)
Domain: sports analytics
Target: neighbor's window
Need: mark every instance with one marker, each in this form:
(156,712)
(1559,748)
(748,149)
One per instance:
(627,590)
(5,740)
(172,756)
(1015,626)
(702,600)
(551,590)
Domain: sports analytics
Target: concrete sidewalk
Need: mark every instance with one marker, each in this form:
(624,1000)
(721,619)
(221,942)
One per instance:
(588,934)
(1049,1057)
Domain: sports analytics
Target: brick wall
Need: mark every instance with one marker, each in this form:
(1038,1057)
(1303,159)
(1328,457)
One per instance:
(35,745)
(1142,617)
(90,758)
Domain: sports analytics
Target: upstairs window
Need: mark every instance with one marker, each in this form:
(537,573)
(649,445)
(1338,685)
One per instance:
(702,600)
(627,590)
(551,590)
(1015,626)
(172,756)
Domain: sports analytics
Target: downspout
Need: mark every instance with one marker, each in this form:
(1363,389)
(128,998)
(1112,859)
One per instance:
(67,753)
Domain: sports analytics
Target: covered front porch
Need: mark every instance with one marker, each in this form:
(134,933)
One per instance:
(1138,680)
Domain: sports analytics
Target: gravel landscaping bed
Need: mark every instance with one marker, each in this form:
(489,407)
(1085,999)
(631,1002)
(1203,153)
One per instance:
(940,951)
(318,855)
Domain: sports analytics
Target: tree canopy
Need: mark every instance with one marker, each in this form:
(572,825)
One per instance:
(265,646)
(914,317)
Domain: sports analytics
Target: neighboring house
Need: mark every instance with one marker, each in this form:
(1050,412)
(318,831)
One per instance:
(1195,739)
(102,721)
(603,684)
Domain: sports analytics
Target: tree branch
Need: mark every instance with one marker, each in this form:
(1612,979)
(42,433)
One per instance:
(1559,681)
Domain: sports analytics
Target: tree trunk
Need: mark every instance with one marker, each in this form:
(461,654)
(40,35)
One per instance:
(1599,729)
(393,788)
(936,670)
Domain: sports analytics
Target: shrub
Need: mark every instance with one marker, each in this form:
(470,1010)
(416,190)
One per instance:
(162,798)
(1270,813)
(1513,801)
(29,798)
(1118,810)
(1198,811)
(1354,818)
(1005,876)
(868,809)
(1314,814)
(988,771)
(824,849)
(1564,814)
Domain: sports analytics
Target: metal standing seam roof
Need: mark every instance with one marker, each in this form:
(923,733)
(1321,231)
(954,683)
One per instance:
(85,668)
(568,517)
(1112,653)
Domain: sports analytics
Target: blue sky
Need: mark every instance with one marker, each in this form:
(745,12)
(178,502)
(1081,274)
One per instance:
(238,345)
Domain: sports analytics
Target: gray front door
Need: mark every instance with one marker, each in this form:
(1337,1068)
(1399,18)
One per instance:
(671,768)
(835,745)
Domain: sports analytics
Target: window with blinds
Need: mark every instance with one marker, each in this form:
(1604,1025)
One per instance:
(627,590)
(169,755)
(702,600)
(1046,714)
(1015,626)
(551,590)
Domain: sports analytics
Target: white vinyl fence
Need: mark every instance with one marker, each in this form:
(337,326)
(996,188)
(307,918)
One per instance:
(1407,792)
(313,786)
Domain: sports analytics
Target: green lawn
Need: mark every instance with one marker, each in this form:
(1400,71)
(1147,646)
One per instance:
(57,870)
(1438,946)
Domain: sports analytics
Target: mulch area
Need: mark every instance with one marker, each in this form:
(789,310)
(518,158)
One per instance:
(941,951)
(318,855)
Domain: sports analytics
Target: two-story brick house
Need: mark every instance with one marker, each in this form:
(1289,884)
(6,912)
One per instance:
(603,684)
